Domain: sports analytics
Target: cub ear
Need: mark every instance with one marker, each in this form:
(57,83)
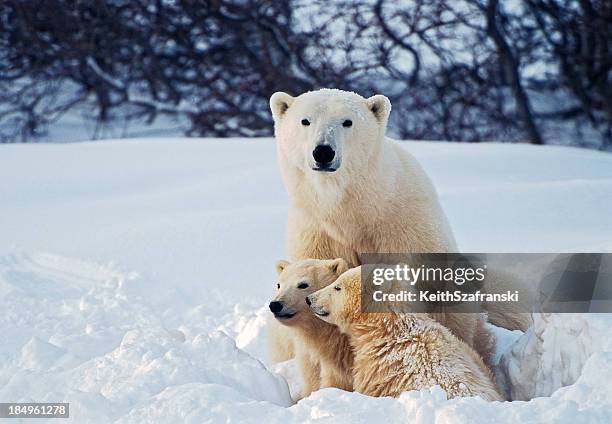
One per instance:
(338,266)
(279,103)
(380,106)
(281,265)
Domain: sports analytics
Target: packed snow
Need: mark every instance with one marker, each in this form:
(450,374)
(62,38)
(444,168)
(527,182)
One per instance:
(134,278)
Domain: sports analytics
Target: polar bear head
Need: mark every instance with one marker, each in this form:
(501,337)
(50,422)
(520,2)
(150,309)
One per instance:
(339,303)
(296,281)
(327,132)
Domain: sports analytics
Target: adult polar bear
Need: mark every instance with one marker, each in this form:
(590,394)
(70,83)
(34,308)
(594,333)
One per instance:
(352,190)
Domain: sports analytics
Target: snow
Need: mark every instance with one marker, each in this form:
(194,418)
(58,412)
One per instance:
(134,277)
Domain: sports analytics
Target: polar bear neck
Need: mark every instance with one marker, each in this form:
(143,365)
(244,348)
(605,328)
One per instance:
(391,206)
(320,335)
(326,195)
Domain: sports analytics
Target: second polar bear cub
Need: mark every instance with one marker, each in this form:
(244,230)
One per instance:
(323,353)
(398,352)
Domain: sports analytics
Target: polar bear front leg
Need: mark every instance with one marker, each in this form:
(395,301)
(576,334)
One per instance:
(311,373)
(333,377)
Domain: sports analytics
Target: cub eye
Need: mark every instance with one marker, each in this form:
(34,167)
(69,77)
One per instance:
(302,286)
(337,288)
(305,122)
(347,123)
(278,286)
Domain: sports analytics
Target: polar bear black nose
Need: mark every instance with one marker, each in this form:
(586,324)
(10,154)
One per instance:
(323,154)
(308,302)
(276,307)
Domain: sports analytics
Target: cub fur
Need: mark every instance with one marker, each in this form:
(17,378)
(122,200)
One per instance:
(398,352)
(323,353)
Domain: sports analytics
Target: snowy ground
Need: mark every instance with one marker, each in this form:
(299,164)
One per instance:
(134,277)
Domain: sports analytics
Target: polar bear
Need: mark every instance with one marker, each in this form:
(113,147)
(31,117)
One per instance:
(323,353)
(398,352)
(352,190)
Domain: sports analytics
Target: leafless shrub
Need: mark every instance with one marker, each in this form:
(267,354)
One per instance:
(468,70)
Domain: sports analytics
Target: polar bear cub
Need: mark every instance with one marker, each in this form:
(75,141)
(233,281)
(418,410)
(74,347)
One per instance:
(323,353)
(398,352)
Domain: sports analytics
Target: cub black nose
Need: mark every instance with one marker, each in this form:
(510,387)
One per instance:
(308,301)
(323,154)
(276,307)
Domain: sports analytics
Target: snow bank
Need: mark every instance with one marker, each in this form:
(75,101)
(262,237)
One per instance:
(553,352)
(77,332)
(202,223)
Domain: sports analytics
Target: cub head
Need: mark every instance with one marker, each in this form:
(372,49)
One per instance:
(296,281)
(340,302)
(321,132)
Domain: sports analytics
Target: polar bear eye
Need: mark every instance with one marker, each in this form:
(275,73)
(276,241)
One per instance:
(303,285)
(305,122)
(347,123)
(337,288)
(278,286)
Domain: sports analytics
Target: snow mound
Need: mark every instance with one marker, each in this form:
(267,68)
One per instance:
(553,352)
(76,332)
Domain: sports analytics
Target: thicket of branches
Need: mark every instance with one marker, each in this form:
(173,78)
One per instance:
(467,70)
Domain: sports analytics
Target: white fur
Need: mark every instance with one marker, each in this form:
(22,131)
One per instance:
(379,199)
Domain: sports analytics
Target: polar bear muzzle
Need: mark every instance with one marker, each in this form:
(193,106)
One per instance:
(323,155)
(279,310)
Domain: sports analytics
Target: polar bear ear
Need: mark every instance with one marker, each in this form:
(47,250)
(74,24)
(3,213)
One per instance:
(279,103)
(338,266)
(380,106)
(281,265)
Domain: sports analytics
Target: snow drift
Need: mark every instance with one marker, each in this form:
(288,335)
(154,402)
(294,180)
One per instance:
(134,277)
